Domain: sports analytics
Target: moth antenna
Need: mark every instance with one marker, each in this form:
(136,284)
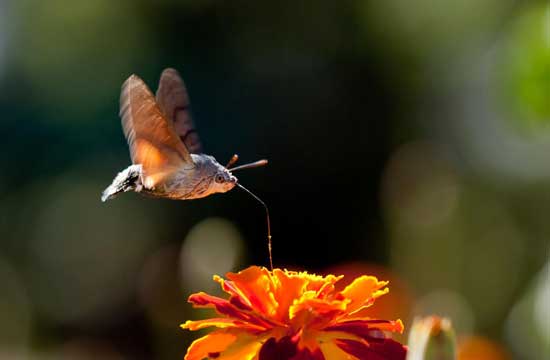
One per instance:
(268,223)
(250,165)
(232,161)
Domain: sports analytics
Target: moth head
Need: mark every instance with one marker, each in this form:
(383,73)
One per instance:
(222,180)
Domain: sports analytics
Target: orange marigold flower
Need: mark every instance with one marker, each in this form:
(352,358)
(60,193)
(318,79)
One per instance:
(284,314)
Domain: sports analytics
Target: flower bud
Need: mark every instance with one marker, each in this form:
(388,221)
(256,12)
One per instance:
(432,338)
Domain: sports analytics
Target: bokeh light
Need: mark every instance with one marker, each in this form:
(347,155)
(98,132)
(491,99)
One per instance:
(420,186)
(421,194)
(103,250)
(159,287)
(527,327)
(213,246)
(480,348)
(448,304)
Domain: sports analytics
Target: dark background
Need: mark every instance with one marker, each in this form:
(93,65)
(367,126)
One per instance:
(406,139)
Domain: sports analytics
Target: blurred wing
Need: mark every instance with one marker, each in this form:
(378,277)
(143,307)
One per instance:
(152,139)
(173,100)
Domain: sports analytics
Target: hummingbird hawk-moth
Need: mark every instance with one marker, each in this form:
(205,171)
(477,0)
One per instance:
(167,156)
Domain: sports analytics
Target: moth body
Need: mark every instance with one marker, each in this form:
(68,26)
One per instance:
(205,178)
(167,156)
(128,179)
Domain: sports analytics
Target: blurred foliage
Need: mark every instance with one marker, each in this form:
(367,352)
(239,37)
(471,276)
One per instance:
(525,68)
(396,134)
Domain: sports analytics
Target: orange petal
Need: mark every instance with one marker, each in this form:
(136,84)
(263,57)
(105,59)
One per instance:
(224,307)
(315,313)
(225,344)
(256,286)
(316,306)
(326,342)
(394,326)
(317,282)
(325,290)
(362,290)
(287,290)
(213,343)
(237,295)
(221,323)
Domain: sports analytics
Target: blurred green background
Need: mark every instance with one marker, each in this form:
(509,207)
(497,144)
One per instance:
(410,140)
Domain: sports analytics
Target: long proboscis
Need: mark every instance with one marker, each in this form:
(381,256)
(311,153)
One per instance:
(249,166)
(268,222)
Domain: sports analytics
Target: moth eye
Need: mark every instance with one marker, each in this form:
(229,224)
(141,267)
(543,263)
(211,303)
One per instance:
(219,178)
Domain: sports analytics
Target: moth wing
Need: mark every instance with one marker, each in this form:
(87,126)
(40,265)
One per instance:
(152,139)
(173,100)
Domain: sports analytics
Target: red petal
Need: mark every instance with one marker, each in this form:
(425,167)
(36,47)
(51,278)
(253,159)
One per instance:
(238,302)
(272,349)
(387,349)
(286,349)
(306,354)
(367,329)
